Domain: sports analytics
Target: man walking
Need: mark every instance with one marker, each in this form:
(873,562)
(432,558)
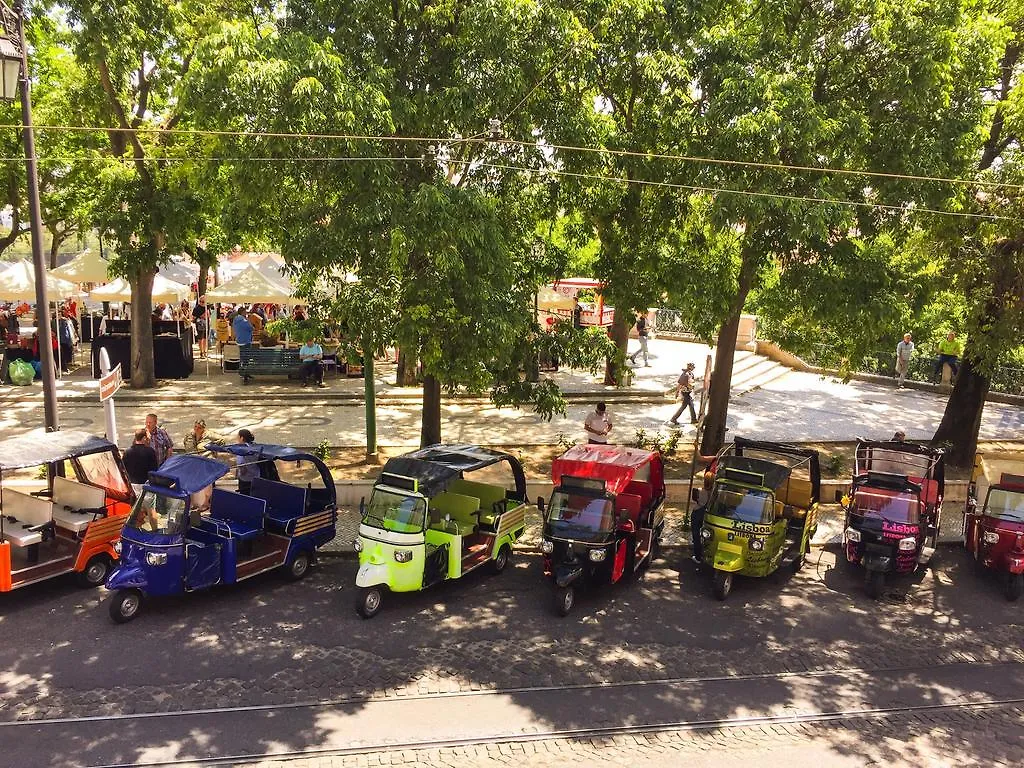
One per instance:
(598,424)
(904,351)
(158,439)
(201,318)
(641,332)
(949,352)
(684,391)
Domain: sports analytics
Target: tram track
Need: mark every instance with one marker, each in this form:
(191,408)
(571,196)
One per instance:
(572,712)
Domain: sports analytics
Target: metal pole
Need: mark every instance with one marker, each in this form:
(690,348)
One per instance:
(108,406)
(35,221)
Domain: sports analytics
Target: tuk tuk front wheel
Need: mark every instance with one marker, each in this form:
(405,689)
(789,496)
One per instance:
(723,584)
(500,561)
(369,601)
(565,599)
(96,571)
(874,584)
(125,605)
(298,567)
(1014,586)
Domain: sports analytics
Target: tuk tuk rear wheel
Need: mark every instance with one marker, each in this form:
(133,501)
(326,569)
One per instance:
(125,605)
(565,599)
(500,561)
(298,567)
(798,562)
(369,601)
(96,571)
(1014,586)
(723,584)
(874,584)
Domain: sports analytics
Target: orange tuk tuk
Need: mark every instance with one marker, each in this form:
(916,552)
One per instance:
(67,518)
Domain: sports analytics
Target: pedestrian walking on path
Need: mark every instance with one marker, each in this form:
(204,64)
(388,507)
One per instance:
(904,351)
(158,439)
(598,424)
(247,468)
(641,332)
(949,352)
(684,391)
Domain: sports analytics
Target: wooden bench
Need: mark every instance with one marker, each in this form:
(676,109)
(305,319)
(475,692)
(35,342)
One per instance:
(257,361)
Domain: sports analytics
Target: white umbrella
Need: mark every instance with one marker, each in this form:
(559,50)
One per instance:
(249,286)
(86,267)
(18,283)
(164,290)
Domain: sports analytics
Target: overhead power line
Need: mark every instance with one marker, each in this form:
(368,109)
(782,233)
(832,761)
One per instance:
(535,145)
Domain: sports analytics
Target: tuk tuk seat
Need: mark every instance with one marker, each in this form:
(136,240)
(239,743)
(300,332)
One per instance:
(28,512)
(795,494)
(461,509)
(70,498)
(630,503)
(492,498)
(929,490)
(243,515)
(284,502)
(643,491)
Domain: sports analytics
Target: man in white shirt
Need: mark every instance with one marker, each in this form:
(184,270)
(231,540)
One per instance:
(904,351)
(598,424)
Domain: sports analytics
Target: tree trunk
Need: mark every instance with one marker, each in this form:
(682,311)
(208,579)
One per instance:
(370,400)
(204,276)
(620,335)
(405,375)
(430,430)
(725,351)
(143,372)
(55,242)
(961,421)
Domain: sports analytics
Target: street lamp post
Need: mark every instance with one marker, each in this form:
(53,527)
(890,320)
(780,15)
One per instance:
(14,71)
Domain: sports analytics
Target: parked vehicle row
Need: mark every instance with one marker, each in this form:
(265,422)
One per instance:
(445,511)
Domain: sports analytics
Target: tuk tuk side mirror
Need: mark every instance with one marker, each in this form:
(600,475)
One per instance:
(362,507)
(540,504)
(695,494)
(839,496)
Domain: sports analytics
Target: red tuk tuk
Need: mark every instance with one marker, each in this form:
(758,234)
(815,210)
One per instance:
(994,534)
(605,517)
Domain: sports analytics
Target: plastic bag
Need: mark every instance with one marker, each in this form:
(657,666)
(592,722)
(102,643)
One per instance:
(21,372)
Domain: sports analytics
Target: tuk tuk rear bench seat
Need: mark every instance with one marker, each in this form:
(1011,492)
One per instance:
(28,512)
(75,504)
(795,495)
(460,509)
(243,515)
(492,498)
(284,502)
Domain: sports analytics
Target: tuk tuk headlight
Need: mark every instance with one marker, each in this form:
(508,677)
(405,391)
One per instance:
(705,534)
(908,544)
(403,555)
(597,555)
(991,537)
(757,544)
(357,545)
(852,535)
(117,547)
(156,558)
(547,546)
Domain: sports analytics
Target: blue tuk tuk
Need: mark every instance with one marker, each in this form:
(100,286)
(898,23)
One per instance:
(185,535)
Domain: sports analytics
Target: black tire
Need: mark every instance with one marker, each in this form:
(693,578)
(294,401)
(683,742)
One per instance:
(299,566)
(1014,586)
(95,572)
(369,601)
(798,561)
(874,584)
(565,599)
(125,605)
(723,584)
(500,561)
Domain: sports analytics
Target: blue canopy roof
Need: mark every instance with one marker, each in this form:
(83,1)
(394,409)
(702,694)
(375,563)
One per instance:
(188,473)
(263,450)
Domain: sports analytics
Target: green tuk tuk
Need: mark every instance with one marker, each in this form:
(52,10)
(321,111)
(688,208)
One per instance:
(426,522)
(762,512)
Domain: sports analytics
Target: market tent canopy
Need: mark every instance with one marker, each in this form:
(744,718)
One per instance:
(249,286)
(180,272)
(270,267)
(86,267)
(18,283)
(120,290)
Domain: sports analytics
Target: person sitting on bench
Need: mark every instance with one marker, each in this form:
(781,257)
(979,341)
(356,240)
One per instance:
(312,356)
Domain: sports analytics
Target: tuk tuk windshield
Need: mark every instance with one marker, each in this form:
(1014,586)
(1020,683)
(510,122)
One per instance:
(748,505)
(579,516)
(894,506)
(156,513)
(395,512)
(1005,505)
